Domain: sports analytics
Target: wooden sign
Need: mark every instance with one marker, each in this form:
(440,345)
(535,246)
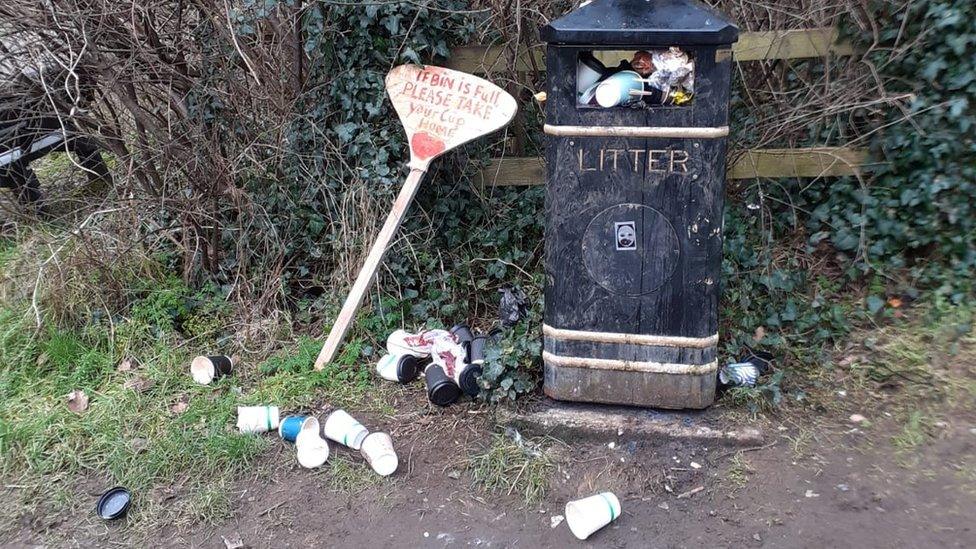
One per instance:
(440,109)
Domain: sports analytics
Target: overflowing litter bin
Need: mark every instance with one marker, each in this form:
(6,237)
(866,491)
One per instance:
(636,124)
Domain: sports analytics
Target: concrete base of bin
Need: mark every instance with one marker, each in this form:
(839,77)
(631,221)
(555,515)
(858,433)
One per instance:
(572,421)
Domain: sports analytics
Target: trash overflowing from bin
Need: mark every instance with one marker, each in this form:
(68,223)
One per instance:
(452,361)
(648,78)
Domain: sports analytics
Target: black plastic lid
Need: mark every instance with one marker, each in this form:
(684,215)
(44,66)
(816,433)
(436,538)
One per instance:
(642,23)
(408,368)
(114,503)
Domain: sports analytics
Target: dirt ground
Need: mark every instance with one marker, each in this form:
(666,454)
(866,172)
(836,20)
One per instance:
(818,480)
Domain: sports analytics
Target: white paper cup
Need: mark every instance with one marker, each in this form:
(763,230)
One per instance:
(615,90)
(344,429)
(587,515)
(257,419)
(586,76)
(379,453)
(310,448)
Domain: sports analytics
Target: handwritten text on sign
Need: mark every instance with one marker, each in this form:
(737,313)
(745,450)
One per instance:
(441,108)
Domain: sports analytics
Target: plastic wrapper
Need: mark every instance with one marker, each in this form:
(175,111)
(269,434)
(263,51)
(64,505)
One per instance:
(512,307)
(672,68)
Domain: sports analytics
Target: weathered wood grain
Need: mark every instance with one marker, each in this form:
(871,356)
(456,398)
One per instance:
(752,46)
(749,164)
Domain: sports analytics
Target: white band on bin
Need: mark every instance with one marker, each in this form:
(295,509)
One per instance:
(629,365)
(637,131)
(632,339)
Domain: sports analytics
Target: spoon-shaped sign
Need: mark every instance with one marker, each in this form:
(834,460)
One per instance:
(440,109)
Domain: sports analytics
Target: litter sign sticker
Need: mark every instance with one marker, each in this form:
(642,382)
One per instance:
(626,235)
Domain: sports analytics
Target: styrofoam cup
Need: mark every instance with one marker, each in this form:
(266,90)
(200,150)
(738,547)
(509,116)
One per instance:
(587,515)
(311,449)
(379,453)
(257,419)
(344,429)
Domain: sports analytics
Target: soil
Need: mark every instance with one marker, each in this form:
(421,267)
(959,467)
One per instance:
(829,483)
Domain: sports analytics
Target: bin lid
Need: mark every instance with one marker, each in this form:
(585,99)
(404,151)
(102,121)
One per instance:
(642,22)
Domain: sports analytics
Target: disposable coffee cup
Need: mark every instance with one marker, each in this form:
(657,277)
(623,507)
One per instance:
(589,71)
(290,426)
(205,369)
(587,515)
(616,89)
(399,368)
(379,453)
(462,333)
(441,389)
(310,448)
(257,419)
(396,344)
(478,349)
(344,429)
(467,379)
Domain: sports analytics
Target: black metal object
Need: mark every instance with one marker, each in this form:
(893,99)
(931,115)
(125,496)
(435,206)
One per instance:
(29,131)
(634,224)
(636,22)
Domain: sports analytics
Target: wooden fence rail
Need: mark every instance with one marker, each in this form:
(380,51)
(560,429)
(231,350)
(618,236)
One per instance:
(752,46)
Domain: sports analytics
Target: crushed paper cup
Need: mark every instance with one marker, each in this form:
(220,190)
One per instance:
(403,342)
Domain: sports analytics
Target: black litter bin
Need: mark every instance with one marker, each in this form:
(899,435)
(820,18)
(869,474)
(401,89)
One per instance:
(636,124)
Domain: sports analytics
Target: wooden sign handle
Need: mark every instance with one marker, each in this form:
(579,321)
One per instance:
(373,260)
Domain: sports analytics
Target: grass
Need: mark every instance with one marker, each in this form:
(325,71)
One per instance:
(506,466)
(737,475)
(55,459)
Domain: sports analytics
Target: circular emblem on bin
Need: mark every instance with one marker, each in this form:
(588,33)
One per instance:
(630,249)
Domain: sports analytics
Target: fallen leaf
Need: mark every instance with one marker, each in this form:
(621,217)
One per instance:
(139,384)
(894,302)
(77,401)
(128,365)
(180,406)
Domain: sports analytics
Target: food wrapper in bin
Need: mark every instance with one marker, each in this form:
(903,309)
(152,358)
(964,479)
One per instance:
(673,68)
